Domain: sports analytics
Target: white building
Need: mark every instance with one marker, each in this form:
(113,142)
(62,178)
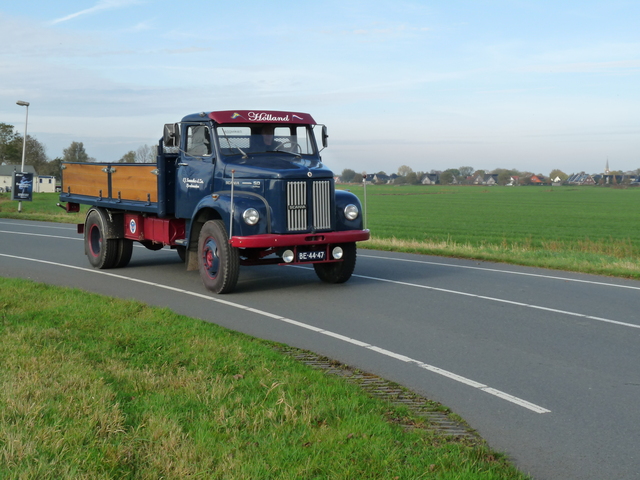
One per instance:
(41,183)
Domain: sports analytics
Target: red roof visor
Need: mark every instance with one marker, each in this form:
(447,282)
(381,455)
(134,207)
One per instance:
(261,116)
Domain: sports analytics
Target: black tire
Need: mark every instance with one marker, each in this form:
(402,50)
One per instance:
(218,262)
(125,249)
(102,252)
(338,272)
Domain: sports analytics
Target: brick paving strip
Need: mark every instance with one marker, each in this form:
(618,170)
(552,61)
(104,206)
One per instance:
(424,413)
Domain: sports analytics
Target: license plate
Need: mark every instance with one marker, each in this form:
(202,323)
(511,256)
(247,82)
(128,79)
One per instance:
(315,256)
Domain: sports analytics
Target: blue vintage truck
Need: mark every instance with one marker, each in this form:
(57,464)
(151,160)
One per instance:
(229,188)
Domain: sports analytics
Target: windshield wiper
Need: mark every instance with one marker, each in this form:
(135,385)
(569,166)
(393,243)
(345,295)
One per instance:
(244,155)
(233,145)
(297,155)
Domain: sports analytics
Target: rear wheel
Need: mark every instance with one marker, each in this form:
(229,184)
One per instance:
(125,249)
(101,251)
(338,272)
(218,262)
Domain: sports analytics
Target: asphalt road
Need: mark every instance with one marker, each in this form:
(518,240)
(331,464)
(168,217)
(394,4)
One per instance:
(544,364)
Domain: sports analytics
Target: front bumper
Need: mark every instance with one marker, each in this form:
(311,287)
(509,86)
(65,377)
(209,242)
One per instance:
(299,239)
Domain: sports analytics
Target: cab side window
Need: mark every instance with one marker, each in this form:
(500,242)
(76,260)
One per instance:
(198,141)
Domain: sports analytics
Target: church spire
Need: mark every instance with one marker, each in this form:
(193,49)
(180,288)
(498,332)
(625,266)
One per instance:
(606,168)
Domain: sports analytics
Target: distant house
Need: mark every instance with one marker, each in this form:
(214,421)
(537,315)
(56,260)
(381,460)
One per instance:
(538,180)
(380,178)
(486,179)
(430,179)
(41,183)
(581,179)
(44,184)
(556,182)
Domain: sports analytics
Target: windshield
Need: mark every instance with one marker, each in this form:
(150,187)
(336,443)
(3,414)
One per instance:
(251,139)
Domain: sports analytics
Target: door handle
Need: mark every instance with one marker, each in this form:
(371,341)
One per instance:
(183,164)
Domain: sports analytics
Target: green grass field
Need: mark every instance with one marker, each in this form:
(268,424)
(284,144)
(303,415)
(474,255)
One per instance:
(588,229)
(99,388)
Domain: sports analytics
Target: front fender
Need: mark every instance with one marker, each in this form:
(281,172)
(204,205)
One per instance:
(344,198)
(219,206)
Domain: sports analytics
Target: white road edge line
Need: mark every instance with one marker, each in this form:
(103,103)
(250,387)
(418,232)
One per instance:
(37,224)
(484,388)
(500,300)
(507,272)
(42,235)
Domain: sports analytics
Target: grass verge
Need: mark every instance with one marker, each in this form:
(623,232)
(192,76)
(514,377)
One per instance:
(92,387)
(43,208)
(587,256)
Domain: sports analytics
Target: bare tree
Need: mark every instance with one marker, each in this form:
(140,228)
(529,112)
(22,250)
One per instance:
(347,175)
(36,155)
(404,170)
(465,171)
(145,154)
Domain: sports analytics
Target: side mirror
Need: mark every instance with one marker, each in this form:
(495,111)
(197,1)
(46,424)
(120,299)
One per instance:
(325,136)
(171,135)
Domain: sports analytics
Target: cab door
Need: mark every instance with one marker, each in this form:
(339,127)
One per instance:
(194,172)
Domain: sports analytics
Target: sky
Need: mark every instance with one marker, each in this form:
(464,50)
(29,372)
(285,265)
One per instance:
(527,85)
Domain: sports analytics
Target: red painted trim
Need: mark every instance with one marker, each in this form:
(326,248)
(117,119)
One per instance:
(261,116)
(162,230)
(270,240)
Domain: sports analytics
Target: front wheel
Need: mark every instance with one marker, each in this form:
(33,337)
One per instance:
(218,262)
(338,272)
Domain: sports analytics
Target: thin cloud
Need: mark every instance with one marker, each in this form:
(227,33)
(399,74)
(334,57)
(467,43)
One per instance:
(628,66)
(101,5)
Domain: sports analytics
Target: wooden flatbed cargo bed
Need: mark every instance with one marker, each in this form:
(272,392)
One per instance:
(135,187)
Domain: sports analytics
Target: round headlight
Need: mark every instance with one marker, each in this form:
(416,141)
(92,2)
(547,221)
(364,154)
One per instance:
(351,212)
(287,256)
(251,216)
(337,253)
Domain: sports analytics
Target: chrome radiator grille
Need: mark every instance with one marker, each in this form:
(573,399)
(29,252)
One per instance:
(322,205)
(298,209)
(296,206)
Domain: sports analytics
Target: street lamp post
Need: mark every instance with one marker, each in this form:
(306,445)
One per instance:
(24,142)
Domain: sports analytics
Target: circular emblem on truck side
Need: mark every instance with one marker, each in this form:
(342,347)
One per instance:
(309,174)
(132,226)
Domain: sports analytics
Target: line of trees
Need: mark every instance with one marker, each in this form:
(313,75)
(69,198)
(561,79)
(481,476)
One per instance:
(11,150)
(461,175)
(11,143)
